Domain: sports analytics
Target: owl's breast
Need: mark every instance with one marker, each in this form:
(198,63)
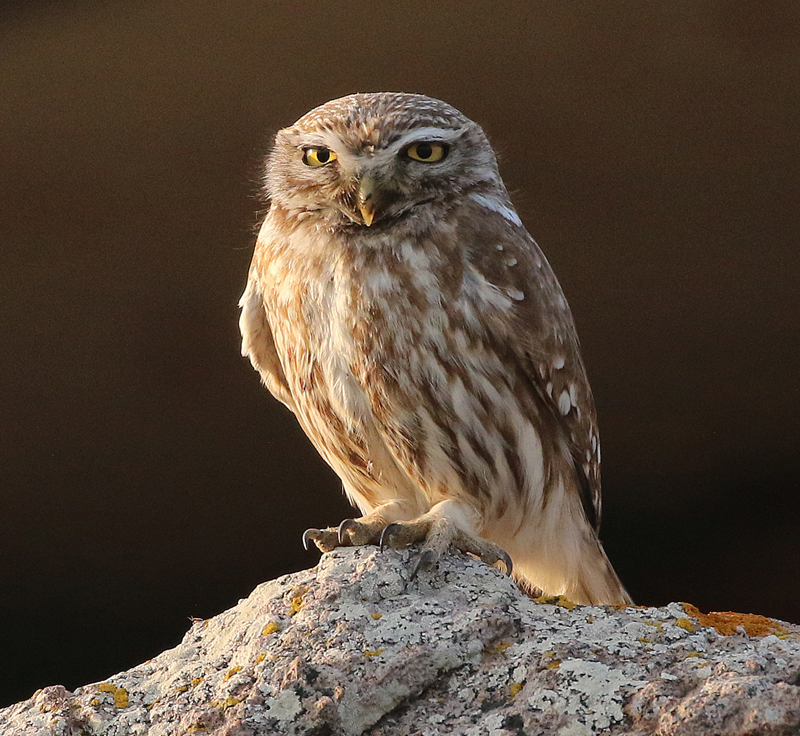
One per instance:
(325,329)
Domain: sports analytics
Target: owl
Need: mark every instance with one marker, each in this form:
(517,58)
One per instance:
(398,306)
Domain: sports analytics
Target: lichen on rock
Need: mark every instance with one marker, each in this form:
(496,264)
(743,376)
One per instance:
(352,647)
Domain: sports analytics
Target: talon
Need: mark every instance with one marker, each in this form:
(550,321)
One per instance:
(309,534)
(506,560)
(386,533)
(346,526)
(424,559)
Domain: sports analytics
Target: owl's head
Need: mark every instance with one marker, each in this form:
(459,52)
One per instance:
(369,159)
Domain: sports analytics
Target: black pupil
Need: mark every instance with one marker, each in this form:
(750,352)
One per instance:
(424,150)
(323,155)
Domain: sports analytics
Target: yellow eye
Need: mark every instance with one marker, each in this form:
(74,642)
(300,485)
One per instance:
(426,152)
(318,156)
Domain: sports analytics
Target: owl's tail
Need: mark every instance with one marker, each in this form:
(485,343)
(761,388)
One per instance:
(598,582)
(581,572)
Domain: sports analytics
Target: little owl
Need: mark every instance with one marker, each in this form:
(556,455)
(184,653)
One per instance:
(397,305)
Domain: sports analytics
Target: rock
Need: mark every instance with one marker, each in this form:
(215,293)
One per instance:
(351,647)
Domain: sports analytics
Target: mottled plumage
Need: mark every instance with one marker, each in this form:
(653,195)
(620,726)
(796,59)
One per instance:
(397,305)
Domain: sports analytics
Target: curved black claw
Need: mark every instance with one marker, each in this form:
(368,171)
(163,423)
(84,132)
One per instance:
(386,534)
(307,535)
(506,559)
(425,558)
(346,526)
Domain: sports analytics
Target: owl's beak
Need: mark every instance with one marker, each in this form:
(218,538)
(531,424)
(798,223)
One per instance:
(367,198)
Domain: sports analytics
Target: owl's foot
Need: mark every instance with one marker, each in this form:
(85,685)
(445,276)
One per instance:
(350,533)
(356,532)
(325,539)
(438,534)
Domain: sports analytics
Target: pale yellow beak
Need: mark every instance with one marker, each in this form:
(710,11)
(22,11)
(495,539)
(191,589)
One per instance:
(367,196)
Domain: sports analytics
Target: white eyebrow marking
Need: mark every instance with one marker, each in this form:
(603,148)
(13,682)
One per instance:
(495,205)
(333,140)
(424,134)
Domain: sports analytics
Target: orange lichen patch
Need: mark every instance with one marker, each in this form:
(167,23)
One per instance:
(373,652)
(296,601)
(685,624)
(515,688)
(231,672)
(556,600)
(377,616)
(727,622)
(270,628)
(261,657)
(120,693)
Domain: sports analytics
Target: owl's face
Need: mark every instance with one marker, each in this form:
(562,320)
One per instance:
(367,160)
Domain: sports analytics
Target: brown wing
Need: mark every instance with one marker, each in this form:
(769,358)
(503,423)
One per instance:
(540,338)
(258,343)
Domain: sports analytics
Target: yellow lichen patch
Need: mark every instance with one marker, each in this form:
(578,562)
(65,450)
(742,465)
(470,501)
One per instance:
(556,600)
(181,689)
(515,688)
(726,622)
(553,664)
(656,624)
(120,693)
(270,628)
(642,639)
(197,680)
(373,652)
(95,702)
(261,657)
(685,624)
(377,616)
(497,648)
(225,704)
(296,601)
(231,672)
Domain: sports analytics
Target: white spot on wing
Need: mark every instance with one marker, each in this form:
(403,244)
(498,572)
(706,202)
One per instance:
(495,205)
(558,363)
(488,295)
(564,403)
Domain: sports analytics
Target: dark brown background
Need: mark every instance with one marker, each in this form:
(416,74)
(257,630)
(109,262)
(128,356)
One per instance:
(652,149)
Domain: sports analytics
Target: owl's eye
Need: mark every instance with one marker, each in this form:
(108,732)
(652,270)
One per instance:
(427,152)
(318,156)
